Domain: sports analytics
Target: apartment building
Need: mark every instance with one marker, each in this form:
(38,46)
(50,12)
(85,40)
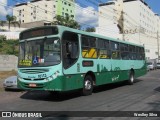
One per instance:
(133,21)
(43,10)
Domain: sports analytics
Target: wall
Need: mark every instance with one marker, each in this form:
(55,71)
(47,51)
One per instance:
(107,21)
(10,35)
(8,62)
(144,20)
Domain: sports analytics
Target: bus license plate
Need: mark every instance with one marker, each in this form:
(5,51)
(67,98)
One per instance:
(32,85)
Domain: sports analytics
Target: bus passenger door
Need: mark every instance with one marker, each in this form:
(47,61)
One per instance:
(70,52)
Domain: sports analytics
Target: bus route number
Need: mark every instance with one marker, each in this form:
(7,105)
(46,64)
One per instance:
(42,76)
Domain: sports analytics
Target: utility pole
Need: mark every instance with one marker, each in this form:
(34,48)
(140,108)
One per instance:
(158,44)
(123,35)
(139,33)
(120,17)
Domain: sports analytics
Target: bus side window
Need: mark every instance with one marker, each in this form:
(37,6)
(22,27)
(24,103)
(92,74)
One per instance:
(115,50)
(89,49)
(124,51)
(132,51)
(104,49)
(138,53)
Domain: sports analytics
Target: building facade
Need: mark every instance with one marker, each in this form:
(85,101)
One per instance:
(107,20)
(135,22)
(40,10)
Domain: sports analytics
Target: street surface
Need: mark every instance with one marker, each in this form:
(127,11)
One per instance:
(144,95)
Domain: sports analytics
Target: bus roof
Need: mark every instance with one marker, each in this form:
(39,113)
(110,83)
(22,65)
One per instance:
(97,35)
(64,28)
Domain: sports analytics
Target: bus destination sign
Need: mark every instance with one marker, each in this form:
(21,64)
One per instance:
(38,32)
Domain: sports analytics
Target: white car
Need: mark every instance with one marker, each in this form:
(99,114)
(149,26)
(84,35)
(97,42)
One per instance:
(158,65)
(10,83)
(150,66)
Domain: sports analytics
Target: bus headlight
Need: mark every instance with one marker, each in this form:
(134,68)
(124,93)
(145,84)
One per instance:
(19,78)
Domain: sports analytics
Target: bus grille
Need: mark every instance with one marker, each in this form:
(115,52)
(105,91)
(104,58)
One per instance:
(38,86)
(35,79)
(34,71)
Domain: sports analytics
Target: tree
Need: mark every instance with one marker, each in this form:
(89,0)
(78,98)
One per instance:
(66,21)
(90,29)
(3,38)
(12,20)
(2,23)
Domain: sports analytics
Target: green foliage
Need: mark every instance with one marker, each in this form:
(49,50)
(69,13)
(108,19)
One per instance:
(2,38)
(8,46)
(2,23)
(66,21)
(90,29)
(12,20)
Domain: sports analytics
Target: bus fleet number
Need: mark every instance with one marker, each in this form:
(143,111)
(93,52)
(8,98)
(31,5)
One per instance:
(42,76)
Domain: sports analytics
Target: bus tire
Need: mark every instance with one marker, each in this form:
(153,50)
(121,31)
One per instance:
(87,86)
(131,78)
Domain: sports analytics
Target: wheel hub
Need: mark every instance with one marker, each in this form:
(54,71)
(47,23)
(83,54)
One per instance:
(88,85)
(132,78)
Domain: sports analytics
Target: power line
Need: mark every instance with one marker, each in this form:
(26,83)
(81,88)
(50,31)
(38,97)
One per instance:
(92,12)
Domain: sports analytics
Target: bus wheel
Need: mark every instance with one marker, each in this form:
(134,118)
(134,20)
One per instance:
(131,78)
(87,86)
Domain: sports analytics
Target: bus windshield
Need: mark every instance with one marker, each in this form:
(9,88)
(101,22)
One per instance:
(42,52)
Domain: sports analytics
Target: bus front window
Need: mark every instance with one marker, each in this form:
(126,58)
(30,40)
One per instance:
(39,53)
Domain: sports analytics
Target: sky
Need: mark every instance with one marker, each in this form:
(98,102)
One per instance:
(84,14)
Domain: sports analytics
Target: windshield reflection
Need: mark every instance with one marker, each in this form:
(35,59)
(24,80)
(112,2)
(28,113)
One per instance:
(39,53)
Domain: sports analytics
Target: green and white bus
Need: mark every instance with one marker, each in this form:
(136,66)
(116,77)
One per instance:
(58,58)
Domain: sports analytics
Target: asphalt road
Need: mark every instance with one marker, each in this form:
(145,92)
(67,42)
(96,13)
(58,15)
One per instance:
(144,95)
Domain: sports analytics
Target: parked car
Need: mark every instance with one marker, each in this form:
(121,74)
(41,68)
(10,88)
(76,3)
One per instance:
(10,83)
(151,66)
(158,65)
